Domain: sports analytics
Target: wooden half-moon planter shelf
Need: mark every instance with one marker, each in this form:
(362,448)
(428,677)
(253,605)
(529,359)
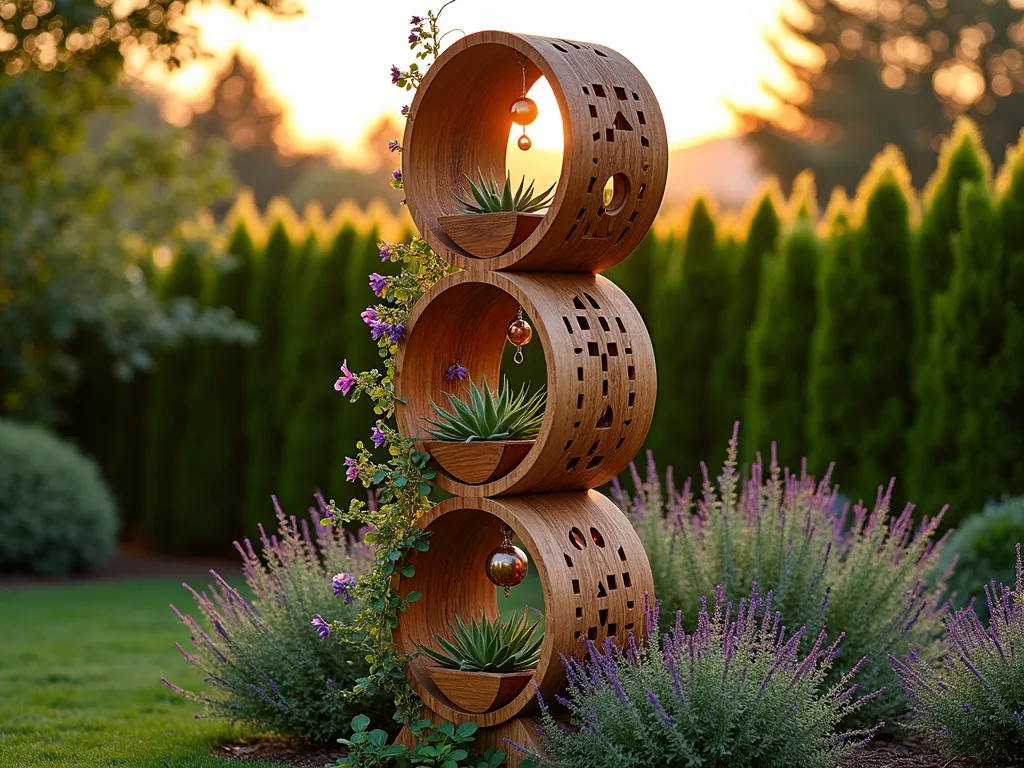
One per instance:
(479,692)
(480,461)
(486,235)
(601,377)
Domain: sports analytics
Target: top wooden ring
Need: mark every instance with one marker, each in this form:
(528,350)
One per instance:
(459,120)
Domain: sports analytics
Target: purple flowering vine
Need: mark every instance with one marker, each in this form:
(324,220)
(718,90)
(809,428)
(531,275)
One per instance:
(396,74)
(346,381)
(378,437)
(343,584)
(456,372)
(351,469)
(384,251)
(378,283)
(323,629)
(369,315)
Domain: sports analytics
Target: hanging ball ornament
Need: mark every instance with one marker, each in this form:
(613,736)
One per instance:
(519,332)
(524,142)
(507,565)
(523,110)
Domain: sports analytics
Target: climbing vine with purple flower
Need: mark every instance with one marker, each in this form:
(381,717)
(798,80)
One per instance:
(402,476)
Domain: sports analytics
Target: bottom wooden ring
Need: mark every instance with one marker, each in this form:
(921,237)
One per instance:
(592,568)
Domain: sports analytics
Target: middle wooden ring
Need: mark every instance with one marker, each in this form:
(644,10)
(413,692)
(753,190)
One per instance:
(601,380)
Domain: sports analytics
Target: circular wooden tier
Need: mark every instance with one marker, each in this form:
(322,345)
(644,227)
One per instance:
(459,121)
(601,385)
(592,569)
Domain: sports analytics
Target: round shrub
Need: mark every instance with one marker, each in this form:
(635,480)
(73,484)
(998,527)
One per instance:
(270,661)
(983,545)
(57,515)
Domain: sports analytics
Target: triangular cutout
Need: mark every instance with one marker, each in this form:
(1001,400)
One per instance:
(601,590)
(605,422)
(621,123)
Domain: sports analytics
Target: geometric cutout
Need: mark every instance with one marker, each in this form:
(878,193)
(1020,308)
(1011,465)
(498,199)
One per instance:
(601,592)
(568,560)
(599,91)
(612,581)
(571,465)
(592,301)
(577,538)
(576,302)
(620,93)
(605,422)
(621,123)
(602,616)
(568,325)
(576,586)
(626,581)
(622,554)
(597,537)
(594,462)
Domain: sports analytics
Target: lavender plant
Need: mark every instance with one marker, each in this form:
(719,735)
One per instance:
(736,692)
(264,663)
(860,571)
(974,704)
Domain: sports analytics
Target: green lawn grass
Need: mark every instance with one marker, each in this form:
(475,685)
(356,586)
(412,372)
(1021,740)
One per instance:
(80,669)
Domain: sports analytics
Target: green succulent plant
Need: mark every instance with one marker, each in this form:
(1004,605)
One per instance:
(512,645)
(489,197)
(488,415)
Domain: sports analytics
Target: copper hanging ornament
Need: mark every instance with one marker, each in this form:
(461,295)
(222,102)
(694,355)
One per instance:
(523,111)
(519,335)
(507,565)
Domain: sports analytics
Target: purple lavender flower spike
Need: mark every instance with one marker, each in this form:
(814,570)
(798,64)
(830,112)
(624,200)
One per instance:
(456,372)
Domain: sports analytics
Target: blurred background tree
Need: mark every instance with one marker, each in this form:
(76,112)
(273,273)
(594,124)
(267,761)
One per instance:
(77,220)
(874,72)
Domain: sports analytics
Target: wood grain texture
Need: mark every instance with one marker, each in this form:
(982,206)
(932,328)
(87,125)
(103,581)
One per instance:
(519,730)
(483,235)
(479,691)
(602,382)
(592,569)
(479,461)
(613,127)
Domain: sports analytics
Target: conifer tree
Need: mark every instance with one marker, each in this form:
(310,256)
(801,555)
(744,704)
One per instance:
(268,302)
(779,347)
(687,336)
(310,413)
(730,369)
(961,159)
(167,405)
(961,383)
(210,471)
(832,399)
(635,274)
(882,367)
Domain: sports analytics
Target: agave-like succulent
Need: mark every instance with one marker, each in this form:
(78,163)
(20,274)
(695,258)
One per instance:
(489,197)
(488,415)
(512,645)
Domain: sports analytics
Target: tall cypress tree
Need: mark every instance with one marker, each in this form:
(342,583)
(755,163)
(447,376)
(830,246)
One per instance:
(688,329)
(665,294)
(210,472)
(268,302)
(730,368)
(168,404)
(958,413)
(779,347)
(310,423)
(883,362)
(832,399)
(961,159)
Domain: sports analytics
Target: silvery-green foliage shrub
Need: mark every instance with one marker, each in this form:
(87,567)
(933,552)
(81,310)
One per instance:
(57,515)
(982,546)
(973,705)
(735,693)
(859,571)
(267,661)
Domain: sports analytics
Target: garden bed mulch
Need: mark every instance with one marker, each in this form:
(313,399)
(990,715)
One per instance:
(906,752)
(910,751)
(278,750)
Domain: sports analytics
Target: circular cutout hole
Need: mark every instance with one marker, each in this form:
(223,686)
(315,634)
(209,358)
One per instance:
(577,538)
(616,192)
(597,537)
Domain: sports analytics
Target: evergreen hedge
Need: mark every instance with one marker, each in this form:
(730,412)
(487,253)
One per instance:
(889,338)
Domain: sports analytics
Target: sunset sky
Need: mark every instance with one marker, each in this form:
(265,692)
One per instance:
(330,67)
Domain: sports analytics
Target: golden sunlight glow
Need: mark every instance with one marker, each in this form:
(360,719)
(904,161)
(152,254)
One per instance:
(329,67)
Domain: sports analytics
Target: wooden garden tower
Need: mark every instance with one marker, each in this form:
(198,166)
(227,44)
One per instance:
(601,378)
